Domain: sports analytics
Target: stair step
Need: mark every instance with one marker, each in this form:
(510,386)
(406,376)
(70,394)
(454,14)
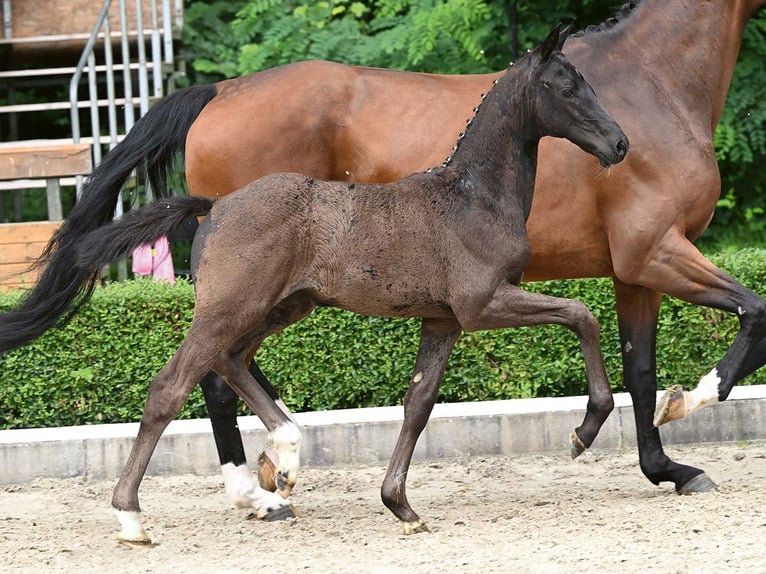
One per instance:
(48,106)
(65,71)
(44,160)
(53,38)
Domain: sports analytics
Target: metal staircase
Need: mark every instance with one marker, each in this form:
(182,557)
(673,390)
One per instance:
(113,72)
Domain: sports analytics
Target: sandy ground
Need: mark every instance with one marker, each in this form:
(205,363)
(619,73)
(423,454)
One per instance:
(500,514)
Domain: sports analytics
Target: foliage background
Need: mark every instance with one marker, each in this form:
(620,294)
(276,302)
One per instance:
(97,368)
(225,39)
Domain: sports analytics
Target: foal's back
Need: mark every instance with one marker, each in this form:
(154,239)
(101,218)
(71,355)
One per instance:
(379,249)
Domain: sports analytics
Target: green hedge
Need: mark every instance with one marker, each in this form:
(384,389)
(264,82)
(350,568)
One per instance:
(96,369)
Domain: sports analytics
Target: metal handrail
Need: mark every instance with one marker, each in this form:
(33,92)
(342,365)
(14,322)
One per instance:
(87,60)
(74,83)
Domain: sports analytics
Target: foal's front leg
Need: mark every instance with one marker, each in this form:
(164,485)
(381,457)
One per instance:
(511,306)
(436,341)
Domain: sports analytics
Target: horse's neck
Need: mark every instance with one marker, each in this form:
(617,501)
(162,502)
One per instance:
(688,47)
(498,156)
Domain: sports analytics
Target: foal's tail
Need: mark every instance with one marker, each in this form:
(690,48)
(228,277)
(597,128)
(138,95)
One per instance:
(137,227)
(150,146)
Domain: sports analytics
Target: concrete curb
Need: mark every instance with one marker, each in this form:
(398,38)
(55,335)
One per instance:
(367,436)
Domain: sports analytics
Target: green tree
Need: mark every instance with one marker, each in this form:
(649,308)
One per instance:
(473,36)
(740,140)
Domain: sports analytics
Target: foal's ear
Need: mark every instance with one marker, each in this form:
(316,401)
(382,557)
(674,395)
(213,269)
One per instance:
(553,42)
(563,35)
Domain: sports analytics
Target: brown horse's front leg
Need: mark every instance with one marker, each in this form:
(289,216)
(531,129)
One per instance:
(511,306)
(436,342)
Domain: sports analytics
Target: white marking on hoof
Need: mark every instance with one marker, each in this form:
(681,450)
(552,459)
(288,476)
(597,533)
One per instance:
(706,392)
(239,485)
(131,530)
(243,492)
(286,440)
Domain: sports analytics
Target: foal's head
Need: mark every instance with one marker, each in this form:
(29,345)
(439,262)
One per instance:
(567,107)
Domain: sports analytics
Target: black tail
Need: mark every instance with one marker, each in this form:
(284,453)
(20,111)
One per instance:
(137,227)
(151,146)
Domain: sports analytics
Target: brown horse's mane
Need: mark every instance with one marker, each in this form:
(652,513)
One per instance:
(622,14)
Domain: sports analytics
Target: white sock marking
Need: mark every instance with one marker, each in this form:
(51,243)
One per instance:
(239,484)
(286,440)
(705,393)
(130,523)
(243,491)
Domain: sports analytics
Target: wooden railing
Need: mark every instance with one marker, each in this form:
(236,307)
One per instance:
(22,243)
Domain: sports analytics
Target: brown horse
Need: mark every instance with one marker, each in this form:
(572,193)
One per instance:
(448,245)
(662,67)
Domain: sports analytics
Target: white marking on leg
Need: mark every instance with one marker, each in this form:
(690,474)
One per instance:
(245,493)
(418,377)
(284,409)
(130,524)
(286,440)
(628,347)
(706,392)
(239,484)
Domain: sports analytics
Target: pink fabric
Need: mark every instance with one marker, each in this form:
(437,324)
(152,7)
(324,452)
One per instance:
(155,260)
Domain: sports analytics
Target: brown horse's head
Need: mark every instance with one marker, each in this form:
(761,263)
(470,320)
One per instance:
(569,108)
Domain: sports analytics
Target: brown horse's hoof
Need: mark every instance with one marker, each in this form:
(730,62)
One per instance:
(282,513)
(671,407)
(267,469)
(698,484)
(576,446)
(415,527)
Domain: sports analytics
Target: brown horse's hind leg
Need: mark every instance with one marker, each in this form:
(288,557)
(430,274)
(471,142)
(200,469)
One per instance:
(512,306)
(167,393)
(436,342)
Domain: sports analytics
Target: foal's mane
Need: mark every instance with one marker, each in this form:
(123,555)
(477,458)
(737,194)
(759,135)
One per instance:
(622,14)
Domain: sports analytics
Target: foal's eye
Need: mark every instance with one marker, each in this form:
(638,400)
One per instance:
(567,92)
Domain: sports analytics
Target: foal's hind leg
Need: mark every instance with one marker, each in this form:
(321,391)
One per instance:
(167,393)
(231,367)
(436,341)
(281,460)
(512,306)
(222,403)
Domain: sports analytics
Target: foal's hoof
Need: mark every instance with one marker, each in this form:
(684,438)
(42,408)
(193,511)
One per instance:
(281,513)
(700,483)
(267,469)
(415,527)
(132,533)
(135,542)
(576,446)
(672,406)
